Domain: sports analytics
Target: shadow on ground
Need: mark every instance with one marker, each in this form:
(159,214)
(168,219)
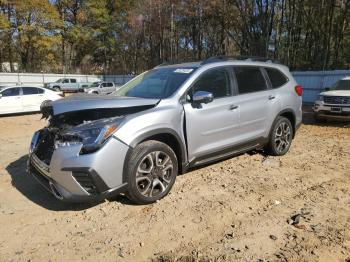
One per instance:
(31,189)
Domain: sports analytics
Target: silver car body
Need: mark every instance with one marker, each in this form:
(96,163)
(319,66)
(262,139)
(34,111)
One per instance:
(224,127)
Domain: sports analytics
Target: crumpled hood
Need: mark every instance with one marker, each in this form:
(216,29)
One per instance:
(81,102)
(336,93)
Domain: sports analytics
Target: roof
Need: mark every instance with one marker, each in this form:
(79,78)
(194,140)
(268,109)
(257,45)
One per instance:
(217,60)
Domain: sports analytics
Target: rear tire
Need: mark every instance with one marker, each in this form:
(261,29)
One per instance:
(151,172)
(281,137)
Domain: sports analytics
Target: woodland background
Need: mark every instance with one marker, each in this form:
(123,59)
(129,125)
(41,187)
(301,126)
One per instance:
(130,36)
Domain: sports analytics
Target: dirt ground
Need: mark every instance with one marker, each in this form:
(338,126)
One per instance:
(234,210)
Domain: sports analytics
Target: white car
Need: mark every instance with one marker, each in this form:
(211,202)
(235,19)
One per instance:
(334,103)
(20,99)
(101,88)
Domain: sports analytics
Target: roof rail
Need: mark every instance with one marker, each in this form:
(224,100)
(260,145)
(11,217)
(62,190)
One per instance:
(222,58)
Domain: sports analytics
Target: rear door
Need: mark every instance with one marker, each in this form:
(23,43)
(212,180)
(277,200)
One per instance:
(32,98)
(211,127)
(11,101)
(256,101)
(110,87)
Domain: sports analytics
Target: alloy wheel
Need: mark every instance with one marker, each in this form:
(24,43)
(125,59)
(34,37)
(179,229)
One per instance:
(283,137)
(154,174)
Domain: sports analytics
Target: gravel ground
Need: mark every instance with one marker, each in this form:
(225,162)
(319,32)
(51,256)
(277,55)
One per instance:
(239,209)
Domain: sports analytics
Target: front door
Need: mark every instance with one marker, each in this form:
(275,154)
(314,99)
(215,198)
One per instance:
(11,101)
(211,127)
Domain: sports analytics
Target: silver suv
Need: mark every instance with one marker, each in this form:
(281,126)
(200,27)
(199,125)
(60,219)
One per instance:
(160,124)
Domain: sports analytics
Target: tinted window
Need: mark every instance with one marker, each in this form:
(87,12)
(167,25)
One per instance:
(65,81)
(11,92)
(109,84)
(104,85)
(41,91)
(276,77)
(30,90)
(73,80)
(249,79)
(215,81)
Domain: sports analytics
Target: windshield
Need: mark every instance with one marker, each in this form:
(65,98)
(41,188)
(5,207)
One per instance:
(156,83)
(341,85)
(59,80)
(95,84)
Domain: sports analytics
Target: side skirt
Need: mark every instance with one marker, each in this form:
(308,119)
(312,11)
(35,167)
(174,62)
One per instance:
(229,152)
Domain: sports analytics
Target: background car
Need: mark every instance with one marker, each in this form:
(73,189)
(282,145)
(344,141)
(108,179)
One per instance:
(101,88)
(67,84)
(18,99)
(334,103)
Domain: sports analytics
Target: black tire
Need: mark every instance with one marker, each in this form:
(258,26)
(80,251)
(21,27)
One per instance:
(96,93)
(154,182)
(279,143)
(57,88)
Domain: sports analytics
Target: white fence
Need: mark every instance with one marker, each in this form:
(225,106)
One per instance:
(7,79)
(313,82)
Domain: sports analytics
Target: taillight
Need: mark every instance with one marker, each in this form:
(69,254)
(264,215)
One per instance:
(299,90)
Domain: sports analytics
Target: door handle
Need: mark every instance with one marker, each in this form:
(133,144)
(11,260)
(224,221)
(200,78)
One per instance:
(271,97)
(233,107)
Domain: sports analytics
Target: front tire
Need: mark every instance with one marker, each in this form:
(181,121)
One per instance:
(57,88)
(151,172)
(281,137)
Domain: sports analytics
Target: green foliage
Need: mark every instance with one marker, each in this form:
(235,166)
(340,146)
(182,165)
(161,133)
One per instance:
(130,36)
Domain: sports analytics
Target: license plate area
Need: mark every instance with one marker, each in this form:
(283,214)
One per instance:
(336,109)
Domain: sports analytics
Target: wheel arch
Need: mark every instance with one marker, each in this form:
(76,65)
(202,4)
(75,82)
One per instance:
(166,136)
(290,115)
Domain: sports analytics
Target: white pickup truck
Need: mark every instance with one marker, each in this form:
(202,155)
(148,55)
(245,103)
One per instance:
(67,84)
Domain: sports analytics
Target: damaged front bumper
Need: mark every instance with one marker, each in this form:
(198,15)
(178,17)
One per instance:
(74,177)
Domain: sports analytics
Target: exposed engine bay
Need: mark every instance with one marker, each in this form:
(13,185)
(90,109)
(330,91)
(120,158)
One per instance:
(81,126)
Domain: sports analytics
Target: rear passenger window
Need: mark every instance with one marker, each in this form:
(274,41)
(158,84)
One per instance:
(73,80)
(249,79)
(215,81)
(277,78)
(30,90)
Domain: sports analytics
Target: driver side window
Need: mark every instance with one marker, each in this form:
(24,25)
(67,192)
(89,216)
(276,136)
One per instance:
(215,81)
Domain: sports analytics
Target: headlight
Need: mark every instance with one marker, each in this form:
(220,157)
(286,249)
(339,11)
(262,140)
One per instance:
(92,135)
(320,98)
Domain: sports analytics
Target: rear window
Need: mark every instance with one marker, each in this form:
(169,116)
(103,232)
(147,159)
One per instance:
(277,78)
(249,79)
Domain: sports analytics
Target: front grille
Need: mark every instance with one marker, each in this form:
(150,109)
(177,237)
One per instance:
(86,181)
(45,147)
(337,100)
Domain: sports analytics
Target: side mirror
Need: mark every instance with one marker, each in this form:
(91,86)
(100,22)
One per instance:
(327,88)
(200,97)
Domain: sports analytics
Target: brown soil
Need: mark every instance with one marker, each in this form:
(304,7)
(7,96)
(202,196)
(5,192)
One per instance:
(234,210)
